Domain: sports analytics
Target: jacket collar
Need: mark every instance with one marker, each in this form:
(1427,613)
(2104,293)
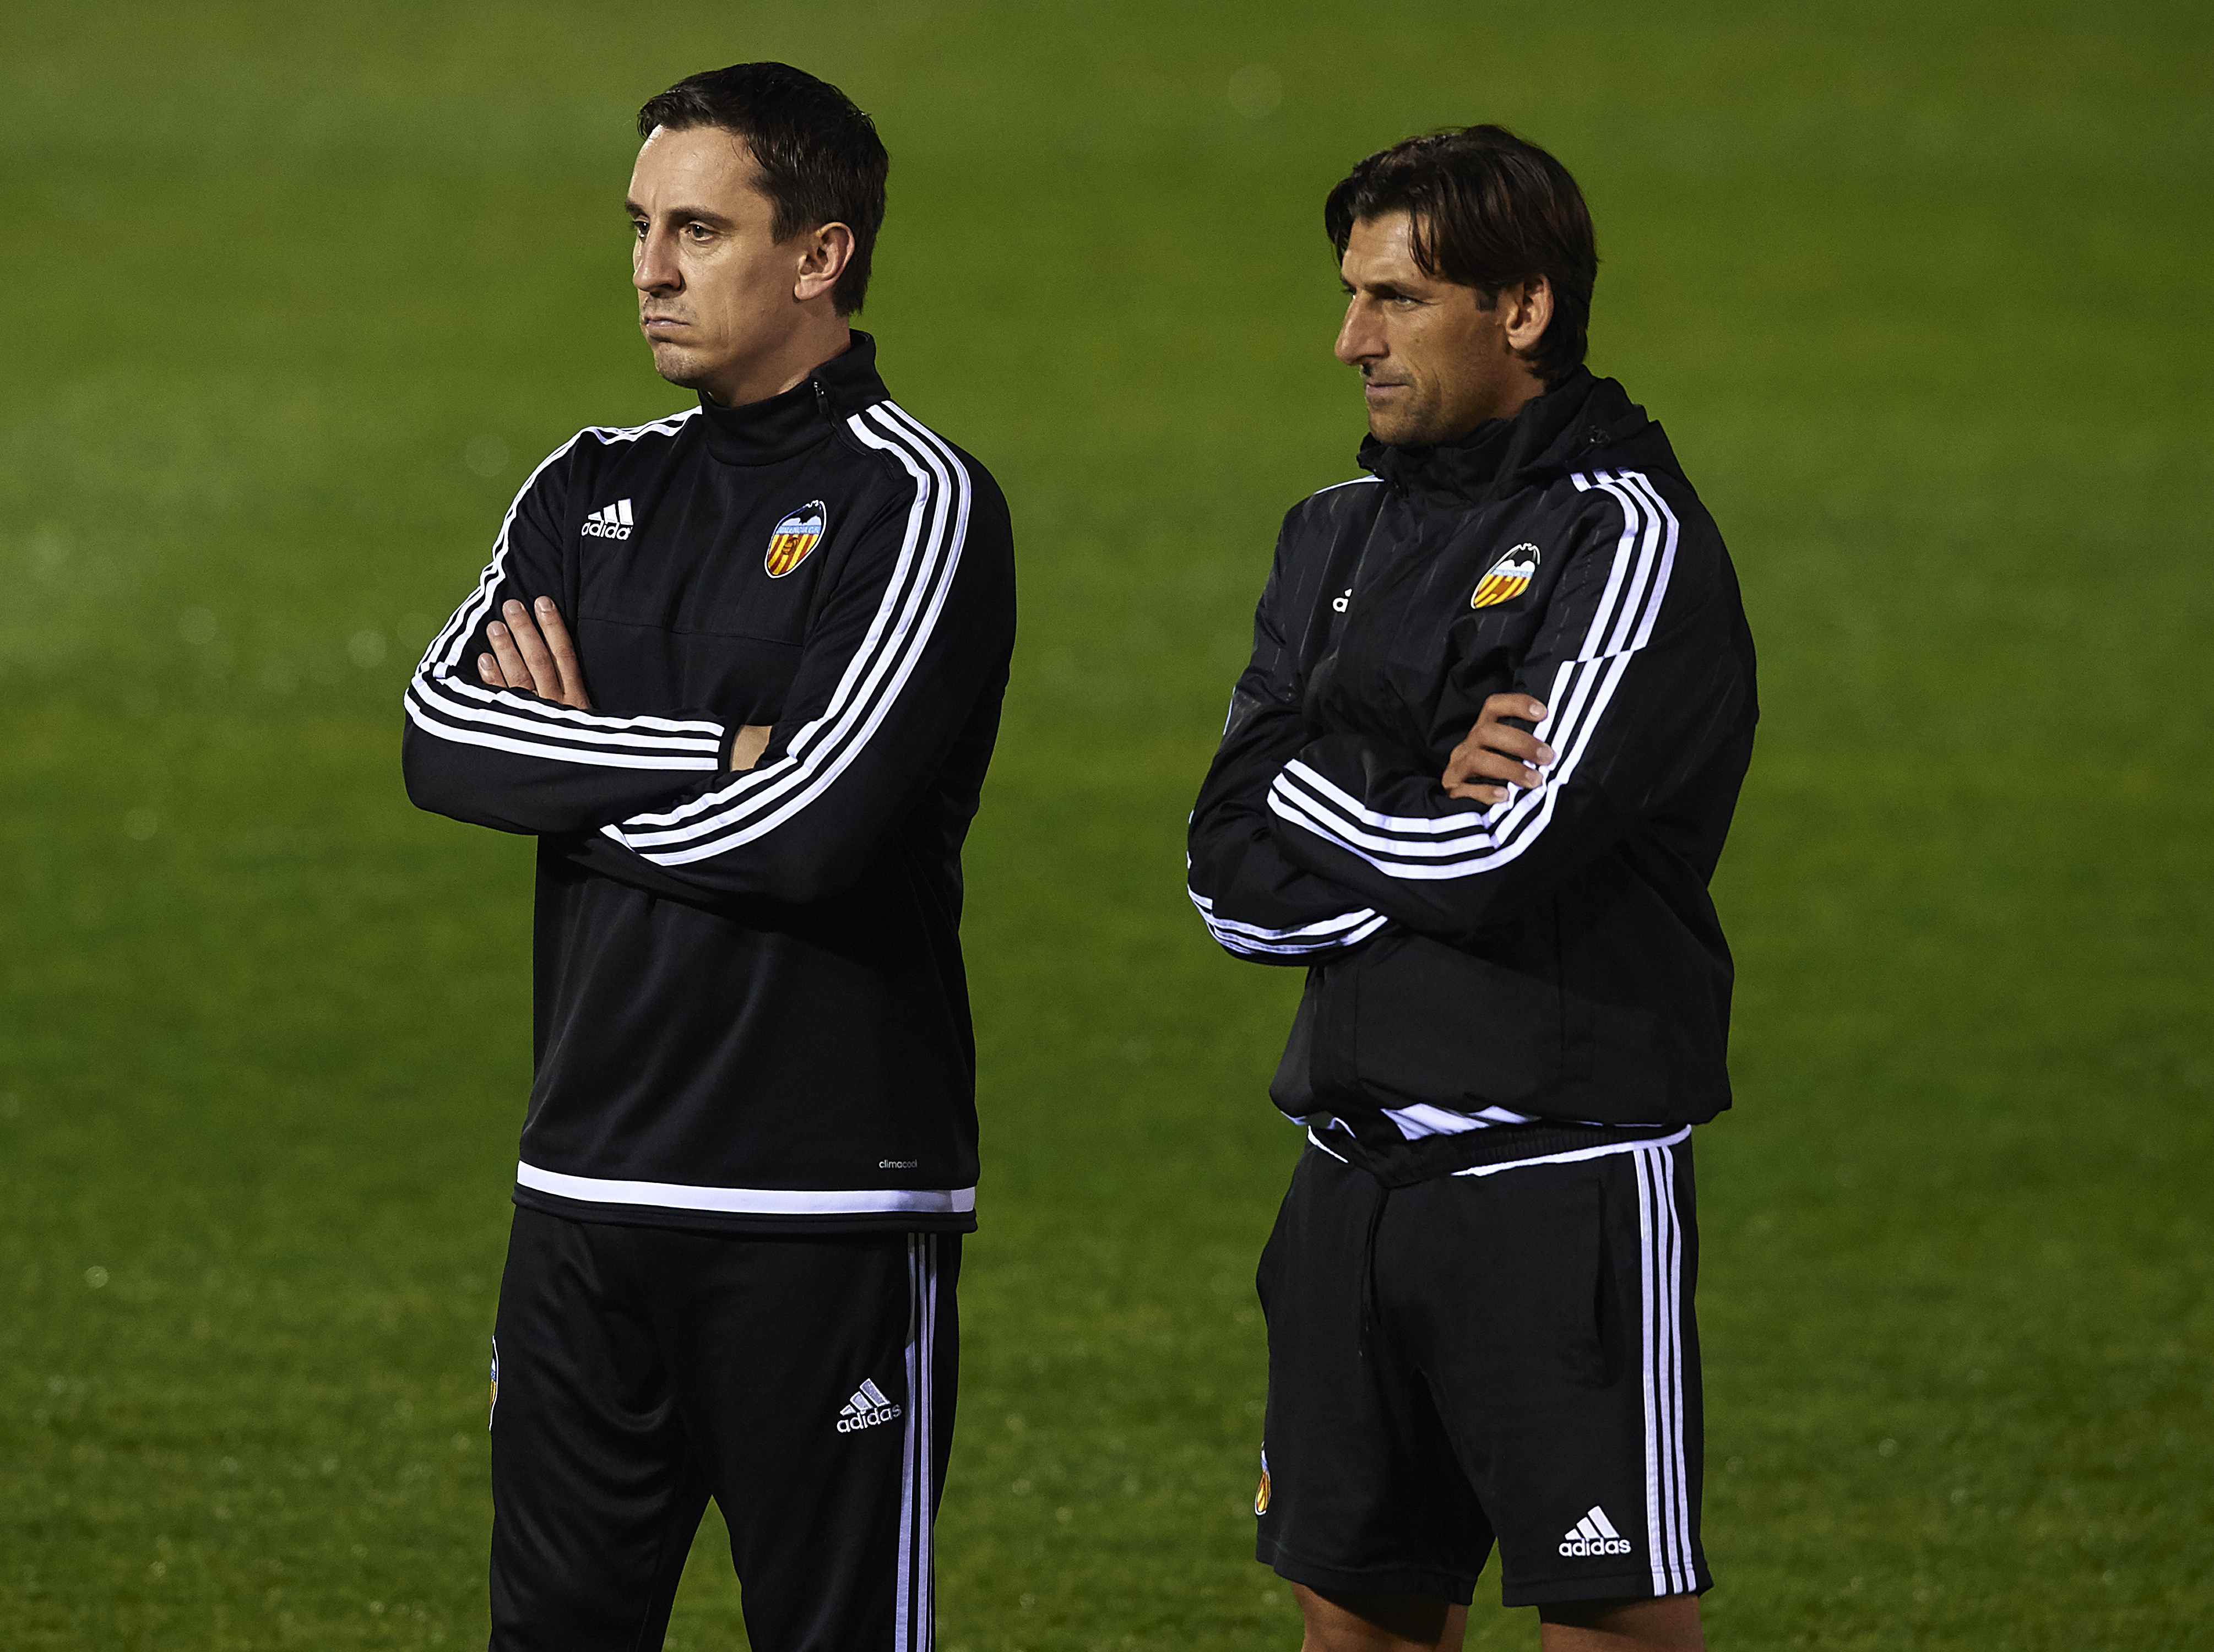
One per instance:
(1577,423)
(782,427)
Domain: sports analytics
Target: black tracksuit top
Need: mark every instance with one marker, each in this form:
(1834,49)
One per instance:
(750,1008)
(1555,958)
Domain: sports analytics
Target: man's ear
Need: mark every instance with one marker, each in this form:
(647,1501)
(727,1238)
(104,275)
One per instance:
(1528,312)
(824,255)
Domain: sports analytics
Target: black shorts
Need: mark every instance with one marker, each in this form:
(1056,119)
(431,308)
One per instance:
(805,1383)
(1505,1357)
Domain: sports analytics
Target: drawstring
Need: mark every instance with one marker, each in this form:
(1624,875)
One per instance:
(1368,1280)
(1377,1347)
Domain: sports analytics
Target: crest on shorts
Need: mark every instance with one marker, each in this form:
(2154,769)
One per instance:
(790,539)
(1261,1496)
(1509,577)
(492,1409)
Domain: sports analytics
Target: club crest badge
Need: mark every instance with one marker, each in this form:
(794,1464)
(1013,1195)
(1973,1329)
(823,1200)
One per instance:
(1509,577)
(790,539)
(1261,1495)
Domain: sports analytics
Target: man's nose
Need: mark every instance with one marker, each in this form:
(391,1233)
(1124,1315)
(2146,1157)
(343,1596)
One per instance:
(653,264)
(1359,339)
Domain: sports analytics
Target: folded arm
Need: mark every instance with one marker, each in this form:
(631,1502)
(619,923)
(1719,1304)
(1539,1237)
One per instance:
(1255,902)
(516,743)
(1634,690)
(903,655)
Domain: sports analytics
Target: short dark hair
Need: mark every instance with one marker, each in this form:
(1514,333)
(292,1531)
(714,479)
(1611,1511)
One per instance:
(1489,211)
(821,160)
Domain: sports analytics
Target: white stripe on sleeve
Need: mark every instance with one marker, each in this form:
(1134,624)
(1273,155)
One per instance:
(1253,941)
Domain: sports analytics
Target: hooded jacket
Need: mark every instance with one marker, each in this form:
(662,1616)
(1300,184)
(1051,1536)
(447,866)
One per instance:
(750,1008)
(1490,983)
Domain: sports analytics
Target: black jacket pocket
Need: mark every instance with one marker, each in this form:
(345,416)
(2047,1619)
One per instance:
(1439,1025)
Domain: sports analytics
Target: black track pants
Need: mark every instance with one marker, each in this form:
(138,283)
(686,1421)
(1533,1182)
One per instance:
(806,1384)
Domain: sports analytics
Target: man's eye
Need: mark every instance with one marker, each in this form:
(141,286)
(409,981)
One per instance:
(698,231)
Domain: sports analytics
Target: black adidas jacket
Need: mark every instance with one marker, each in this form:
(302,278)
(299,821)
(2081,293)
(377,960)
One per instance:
(750,1006)
(1556,957)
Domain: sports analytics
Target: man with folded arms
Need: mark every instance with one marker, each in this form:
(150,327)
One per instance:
(738,670)
(1475,780)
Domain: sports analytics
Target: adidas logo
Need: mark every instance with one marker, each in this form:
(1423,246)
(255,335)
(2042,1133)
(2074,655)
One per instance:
(1592,1535)
(610,522)
(868,1406)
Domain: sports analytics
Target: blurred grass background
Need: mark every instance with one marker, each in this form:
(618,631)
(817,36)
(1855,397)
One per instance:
(293,297)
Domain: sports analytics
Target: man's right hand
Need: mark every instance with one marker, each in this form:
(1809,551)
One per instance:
(531,651)
(1497,756)
(520,659)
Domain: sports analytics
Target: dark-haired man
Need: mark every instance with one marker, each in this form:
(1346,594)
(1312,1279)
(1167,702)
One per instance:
(738,670)
(1475,780)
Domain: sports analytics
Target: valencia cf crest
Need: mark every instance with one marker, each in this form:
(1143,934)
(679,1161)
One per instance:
(1261,1496)
(790,539)
(1509,577)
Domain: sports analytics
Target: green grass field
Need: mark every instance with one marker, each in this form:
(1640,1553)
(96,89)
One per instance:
(295,296)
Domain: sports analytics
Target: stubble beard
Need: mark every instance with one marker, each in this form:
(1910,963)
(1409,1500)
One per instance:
(1412,425)
(680,366)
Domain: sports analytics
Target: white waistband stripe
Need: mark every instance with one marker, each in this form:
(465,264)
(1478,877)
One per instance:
(1636,1144)
(753,1201)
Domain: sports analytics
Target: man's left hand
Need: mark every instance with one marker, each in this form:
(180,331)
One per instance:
(1496,754)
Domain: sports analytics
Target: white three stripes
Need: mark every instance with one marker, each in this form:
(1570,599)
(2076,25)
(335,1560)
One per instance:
(761,800)
(1251,940)
(916,1605)
(1462,844)
(1667,1483)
